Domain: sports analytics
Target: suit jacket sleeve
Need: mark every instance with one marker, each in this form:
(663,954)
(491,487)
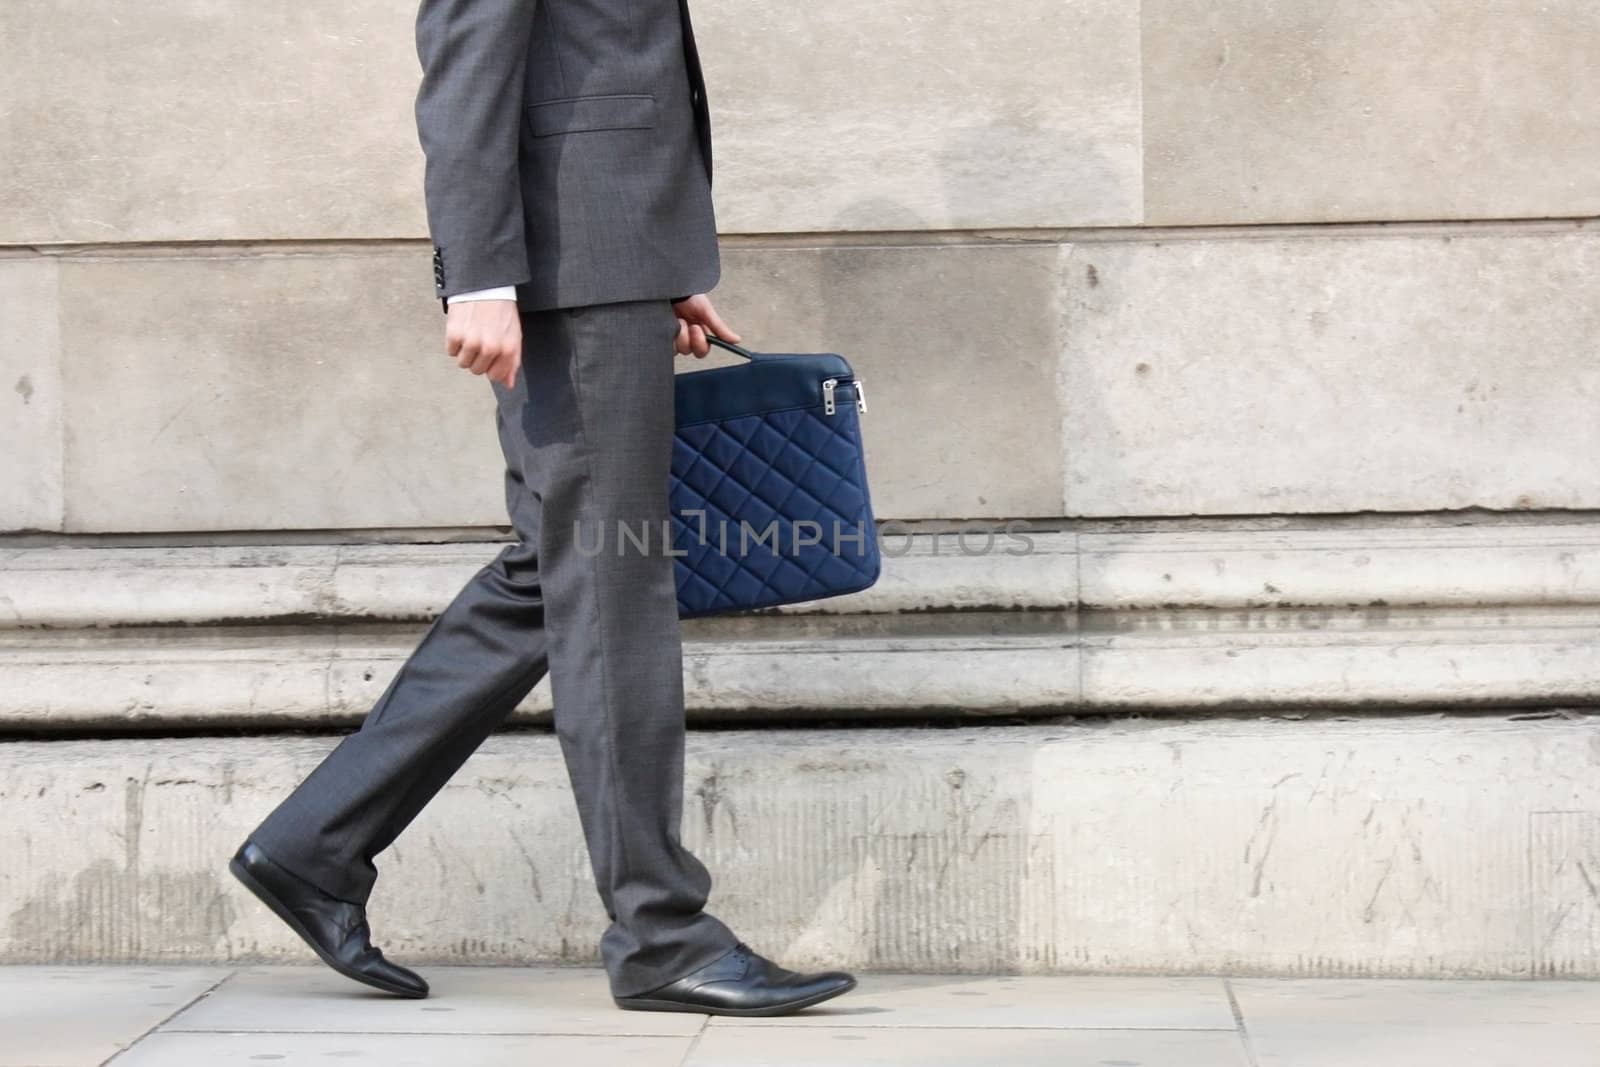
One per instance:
(469,105)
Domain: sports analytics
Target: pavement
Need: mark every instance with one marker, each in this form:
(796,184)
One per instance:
(176,1016)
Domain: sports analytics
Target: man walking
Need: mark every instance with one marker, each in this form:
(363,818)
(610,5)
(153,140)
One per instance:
(568,197)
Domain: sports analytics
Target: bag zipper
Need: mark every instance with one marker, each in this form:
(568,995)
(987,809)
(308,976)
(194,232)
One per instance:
(828,385)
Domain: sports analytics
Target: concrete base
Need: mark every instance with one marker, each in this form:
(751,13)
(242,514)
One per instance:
(1430,845)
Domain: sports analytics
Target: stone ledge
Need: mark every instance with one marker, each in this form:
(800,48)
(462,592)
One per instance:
(311,677)
(1246,568)
(294,678)
(307,636)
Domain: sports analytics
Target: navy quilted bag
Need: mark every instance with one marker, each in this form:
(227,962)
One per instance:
(769,484)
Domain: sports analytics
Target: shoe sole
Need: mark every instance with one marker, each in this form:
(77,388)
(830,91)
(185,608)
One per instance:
(265,896)
(788,1006)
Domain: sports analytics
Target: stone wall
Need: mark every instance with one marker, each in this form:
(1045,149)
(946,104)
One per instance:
(1092,257)
(1275,265)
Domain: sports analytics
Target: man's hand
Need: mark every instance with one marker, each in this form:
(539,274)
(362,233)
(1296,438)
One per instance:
(485,337)
(695,317)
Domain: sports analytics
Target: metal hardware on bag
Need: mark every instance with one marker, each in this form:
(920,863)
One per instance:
(828,386)
(829,405)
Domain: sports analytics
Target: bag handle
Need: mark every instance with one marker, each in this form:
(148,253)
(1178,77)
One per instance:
(720,343)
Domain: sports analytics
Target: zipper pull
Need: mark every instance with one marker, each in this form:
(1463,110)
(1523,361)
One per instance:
(827,395)
(861,396)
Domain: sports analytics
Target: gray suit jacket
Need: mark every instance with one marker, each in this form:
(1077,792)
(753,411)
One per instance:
(568,150)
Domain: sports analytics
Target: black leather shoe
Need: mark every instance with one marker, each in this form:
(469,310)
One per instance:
(336,929)
(741,983)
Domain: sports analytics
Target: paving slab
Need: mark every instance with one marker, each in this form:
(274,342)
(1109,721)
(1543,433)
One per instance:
(80,1016)
(404,1050)
(86,1016)
(1415,1001)
(1464,1043)
(462,1000)
(1419,1023)
(781,1046)
(1036,1002)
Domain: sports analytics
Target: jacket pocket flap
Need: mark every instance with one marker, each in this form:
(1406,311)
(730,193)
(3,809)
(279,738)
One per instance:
(630,111)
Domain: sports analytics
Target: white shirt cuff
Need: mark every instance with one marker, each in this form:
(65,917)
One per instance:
(499,292)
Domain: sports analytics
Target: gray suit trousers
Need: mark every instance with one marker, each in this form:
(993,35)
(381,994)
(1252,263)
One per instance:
(587,435)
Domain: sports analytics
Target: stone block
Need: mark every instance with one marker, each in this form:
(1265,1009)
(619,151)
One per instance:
(923,115)
(31,401)
(269,391)
(244,390)
(1391,848)
(207,120)
(1363,110)
(956,345)
(1372,372)
(228,120)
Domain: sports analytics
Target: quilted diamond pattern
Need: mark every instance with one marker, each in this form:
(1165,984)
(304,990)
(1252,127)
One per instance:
(759,480)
